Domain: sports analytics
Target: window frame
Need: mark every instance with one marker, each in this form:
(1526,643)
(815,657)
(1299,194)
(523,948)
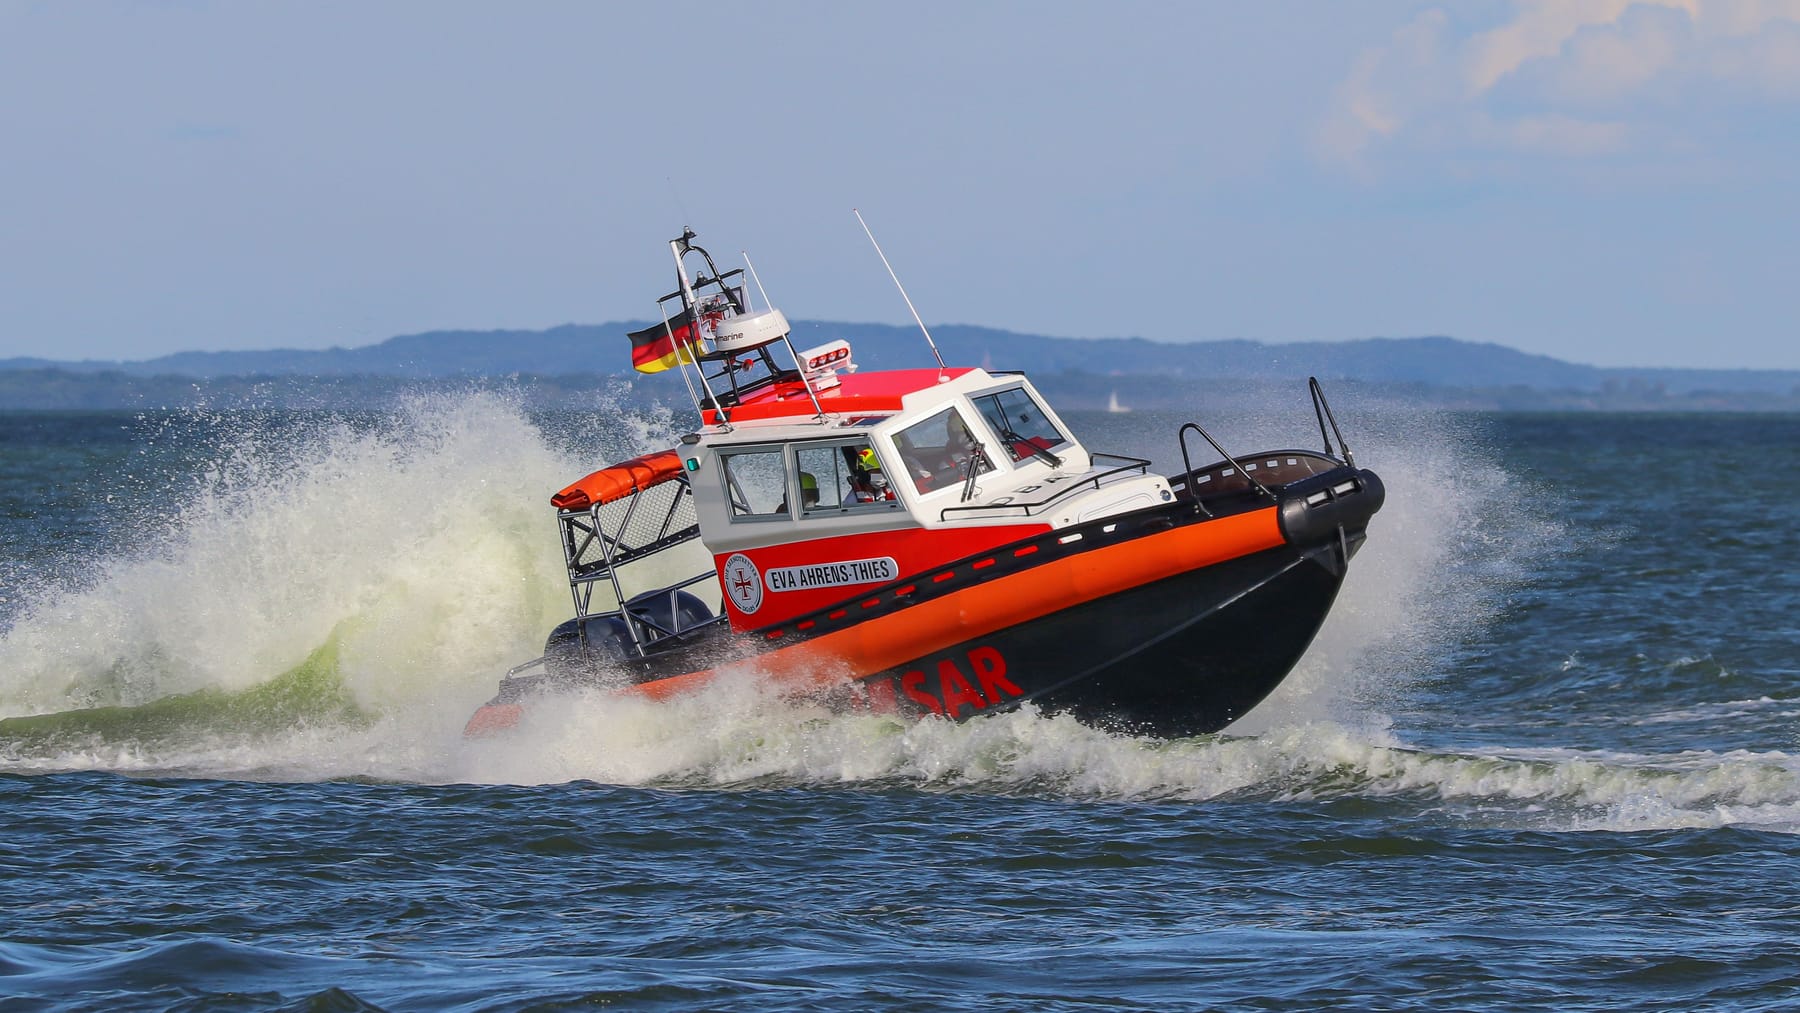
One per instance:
(1019,461)
(837,507)
(993,467)
(790,482)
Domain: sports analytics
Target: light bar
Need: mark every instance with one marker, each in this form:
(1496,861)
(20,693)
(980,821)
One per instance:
(830,354)
(821,364)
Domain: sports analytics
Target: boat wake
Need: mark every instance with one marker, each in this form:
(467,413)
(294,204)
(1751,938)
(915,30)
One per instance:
(330,601)
(734,736)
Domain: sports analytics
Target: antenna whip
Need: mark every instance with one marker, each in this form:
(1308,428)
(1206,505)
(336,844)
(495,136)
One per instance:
(942,369)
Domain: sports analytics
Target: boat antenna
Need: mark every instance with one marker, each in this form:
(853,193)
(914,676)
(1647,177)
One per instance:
(942,369)
(756,278)
(675,193)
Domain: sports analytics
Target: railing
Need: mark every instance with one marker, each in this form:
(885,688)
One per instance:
(641,525)
(1187,464)
(601,541)
(1090,480)
(1321,409)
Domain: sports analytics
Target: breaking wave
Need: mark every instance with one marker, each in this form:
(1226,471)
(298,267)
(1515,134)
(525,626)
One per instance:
(415,545)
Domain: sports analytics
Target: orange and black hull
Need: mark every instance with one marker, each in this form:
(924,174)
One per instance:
(1174,620)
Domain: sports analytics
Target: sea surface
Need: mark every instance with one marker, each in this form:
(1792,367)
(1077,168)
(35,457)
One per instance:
(1545,754)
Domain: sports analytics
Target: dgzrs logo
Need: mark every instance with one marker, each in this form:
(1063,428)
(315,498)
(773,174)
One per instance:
(743,583)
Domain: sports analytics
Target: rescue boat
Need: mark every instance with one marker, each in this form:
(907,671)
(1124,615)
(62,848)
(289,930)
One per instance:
(931,541)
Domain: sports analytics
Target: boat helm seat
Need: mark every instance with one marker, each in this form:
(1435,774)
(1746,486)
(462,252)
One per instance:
(666,612)
(577,648)
(912,459)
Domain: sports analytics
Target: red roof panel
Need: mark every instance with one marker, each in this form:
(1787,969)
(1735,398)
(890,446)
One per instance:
(876,393)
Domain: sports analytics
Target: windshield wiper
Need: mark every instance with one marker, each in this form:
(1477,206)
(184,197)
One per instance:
(1036,451)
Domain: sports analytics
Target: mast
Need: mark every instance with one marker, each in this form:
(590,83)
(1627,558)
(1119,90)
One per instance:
(680,247)
(724,320)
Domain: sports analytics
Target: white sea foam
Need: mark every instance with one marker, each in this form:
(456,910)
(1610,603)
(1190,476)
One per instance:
(735,735)
(1456,533)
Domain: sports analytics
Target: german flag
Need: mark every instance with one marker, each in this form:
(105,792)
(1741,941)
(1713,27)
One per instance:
(663,345)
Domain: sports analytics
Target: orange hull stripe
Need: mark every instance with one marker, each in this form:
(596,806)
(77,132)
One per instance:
(975,611)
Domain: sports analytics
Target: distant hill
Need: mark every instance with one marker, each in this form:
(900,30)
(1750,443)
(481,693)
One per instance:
(1433,369)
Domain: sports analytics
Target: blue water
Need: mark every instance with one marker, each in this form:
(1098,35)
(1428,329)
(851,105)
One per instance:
(1542,756)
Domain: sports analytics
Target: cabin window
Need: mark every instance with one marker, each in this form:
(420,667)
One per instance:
(842,477)
(756,483)
(1020,422)
(939,452)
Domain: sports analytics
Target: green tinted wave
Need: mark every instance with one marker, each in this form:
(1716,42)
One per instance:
(310,693)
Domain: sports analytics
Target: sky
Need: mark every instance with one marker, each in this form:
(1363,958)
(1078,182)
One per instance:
(1605,181)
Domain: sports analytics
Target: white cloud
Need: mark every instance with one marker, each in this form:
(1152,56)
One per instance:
(1389,87)
(1611,63)
(1567,77)
(1541,31)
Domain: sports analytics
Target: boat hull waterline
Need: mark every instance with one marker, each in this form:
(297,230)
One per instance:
(1174,620)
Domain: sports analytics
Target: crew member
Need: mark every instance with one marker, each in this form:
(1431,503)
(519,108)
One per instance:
(868,484)
(809,494)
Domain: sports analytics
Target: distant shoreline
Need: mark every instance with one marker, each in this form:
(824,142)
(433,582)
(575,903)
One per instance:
(573,360)
(59,389)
